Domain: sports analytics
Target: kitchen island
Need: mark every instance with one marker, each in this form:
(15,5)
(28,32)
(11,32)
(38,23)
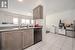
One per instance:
(16,38)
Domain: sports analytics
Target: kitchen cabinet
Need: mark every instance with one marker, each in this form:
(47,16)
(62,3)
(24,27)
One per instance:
(11,40)
(38,12)
(37,35)
(16,39)
(28,37)
(70,33)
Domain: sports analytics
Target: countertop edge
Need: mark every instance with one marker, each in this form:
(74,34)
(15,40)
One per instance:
(13,29)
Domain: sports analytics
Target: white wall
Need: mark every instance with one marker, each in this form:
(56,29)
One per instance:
(58,9)
(57,6)
(53,19)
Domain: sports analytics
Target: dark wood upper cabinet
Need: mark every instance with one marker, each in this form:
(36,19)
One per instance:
(38,12)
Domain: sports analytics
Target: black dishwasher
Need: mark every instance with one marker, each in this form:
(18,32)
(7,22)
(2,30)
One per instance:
(37,35)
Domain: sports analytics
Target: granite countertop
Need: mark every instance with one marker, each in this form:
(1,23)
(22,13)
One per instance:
(12,29)
(3,30)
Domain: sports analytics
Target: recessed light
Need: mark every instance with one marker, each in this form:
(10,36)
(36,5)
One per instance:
(20,0)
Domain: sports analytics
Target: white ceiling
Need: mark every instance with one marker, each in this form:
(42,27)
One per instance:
(24,7)
(55,6)
(51,6)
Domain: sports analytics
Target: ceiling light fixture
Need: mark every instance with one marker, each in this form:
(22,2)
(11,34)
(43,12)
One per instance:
(20,0)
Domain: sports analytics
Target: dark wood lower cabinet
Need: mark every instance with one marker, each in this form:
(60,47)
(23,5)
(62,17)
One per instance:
(20,39)
(17,39)
(28,38)
(11,40)
(37,35)
(70,33)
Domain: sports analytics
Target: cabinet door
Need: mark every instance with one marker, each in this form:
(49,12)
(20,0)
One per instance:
(11,40)
(70,34)
(28,39)
(38,12)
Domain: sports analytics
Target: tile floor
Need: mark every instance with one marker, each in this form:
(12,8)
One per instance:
(54,42)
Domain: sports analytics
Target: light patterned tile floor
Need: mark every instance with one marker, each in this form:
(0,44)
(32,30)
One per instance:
(54,42)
